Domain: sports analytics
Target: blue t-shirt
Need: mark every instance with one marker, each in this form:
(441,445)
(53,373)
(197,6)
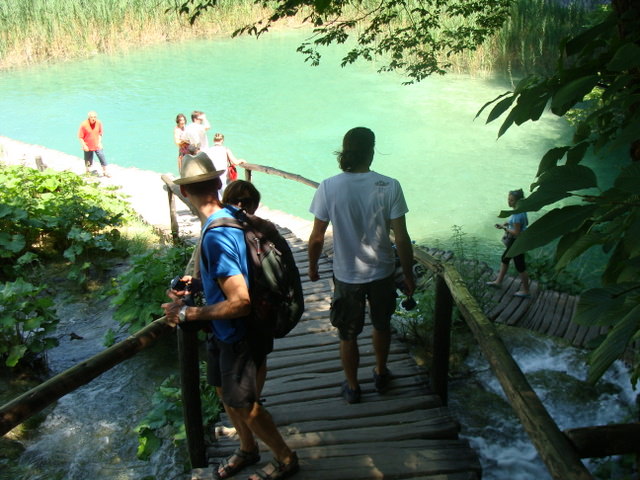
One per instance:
(520,218)
(223,254)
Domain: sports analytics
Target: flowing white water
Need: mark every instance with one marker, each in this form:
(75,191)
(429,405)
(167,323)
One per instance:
(557,372)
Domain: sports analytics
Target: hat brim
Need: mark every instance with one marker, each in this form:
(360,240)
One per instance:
(198,178)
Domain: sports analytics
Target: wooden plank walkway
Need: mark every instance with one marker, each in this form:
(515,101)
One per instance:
(405,433)
(546,311)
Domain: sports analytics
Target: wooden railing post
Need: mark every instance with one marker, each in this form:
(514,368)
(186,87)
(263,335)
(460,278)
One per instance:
(190,386)
(172,206)
(441,339)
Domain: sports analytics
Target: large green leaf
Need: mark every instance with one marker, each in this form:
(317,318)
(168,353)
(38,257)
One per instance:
(500,108)
(571,93)
(614,345)
(574,244)
(491,102)
(535,201)
(576,154)
(601,306)
(551,158)
(567,178)
(627,57)
(629,179)
(507,123)
(550,226)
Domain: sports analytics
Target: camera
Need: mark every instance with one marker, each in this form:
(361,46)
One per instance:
(178,284)
(408,303)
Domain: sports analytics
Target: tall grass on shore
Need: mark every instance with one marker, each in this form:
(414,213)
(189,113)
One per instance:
(33,31)
(529,39)
(38,30)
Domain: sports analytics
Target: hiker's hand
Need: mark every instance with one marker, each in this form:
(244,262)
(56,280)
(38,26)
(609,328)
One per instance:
(409,285)
(181,288)
(171,310)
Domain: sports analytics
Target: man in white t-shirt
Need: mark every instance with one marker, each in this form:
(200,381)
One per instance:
(362,206)
(196,131)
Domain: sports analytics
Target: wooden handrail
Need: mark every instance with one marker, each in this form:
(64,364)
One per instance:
(555,449)
(38,398)
(249,167)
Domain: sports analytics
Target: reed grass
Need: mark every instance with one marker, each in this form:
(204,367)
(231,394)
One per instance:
(529,39)
(38,30)
(33,31)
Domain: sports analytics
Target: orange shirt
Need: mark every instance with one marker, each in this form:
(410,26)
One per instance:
(91,134)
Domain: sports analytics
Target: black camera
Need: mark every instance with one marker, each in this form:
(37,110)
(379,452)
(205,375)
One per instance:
(409,303)
(178,284)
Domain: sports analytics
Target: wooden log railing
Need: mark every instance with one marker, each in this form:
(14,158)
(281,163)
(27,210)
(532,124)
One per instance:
(38,398)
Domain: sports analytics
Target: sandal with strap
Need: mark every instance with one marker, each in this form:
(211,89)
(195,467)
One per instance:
(227,469)
(277,470)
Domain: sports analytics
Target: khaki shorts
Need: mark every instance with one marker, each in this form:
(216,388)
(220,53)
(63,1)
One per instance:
(349,301)
(233,367)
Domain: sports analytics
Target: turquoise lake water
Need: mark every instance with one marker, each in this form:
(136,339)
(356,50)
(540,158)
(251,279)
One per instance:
(276,110)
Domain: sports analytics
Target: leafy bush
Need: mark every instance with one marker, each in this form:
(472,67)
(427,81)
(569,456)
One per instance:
(140,291)
(26,320)
(165,419)
(56,214)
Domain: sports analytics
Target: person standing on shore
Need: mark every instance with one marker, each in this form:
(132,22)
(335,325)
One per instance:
(363,206)
(180,138)
(196,131)
(90,135)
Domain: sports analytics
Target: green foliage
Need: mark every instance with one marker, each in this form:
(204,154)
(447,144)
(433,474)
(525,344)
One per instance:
(26,321)
(139,292)
(541,266)
(53,215)
(416,326)
(165,419)
(605,57)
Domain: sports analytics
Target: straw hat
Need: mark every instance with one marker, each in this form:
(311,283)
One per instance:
(197,168)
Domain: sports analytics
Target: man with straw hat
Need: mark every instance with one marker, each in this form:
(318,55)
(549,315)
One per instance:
(224,271)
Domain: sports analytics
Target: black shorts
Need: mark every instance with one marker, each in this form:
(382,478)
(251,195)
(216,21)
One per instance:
(233,367)
(348,306)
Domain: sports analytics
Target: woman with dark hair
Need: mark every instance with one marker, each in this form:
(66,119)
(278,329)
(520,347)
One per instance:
(242,194)
(180,138)
(516,224)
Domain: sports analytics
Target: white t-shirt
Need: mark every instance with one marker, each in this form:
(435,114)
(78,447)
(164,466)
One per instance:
(360,207)
(196,133)
(218,155)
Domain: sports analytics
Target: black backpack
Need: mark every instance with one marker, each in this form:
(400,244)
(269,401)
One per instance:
(275,289)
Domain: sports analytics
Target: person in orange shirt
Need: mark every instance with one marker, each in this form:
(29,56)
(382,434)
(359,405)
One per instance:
(90,135)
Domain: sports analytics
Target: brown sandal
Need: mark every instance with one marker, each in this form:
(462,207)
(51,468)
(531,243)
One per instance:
(227,469)
(278,470)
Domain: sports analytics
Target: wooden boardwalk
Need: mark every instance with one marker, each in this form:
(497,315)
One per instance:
(547,312)
(404,434)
